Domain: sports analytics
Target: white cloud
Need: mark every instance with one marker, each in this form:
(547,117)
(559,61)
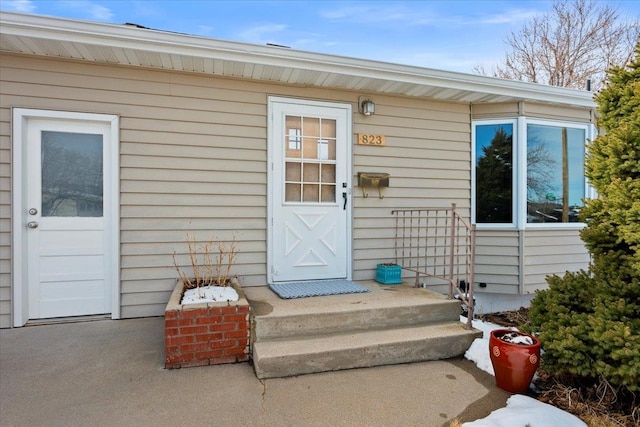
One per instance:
(88,9)
(510,17)
(439,60)
(146,9)
(442,61)
(302,42)
(374,14)
(205,30)
(262,34)
(400,14)
(25,6)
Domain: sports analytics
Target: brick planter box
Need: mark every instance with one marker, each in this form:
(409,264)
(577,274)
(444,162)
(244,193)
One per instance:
(206,334)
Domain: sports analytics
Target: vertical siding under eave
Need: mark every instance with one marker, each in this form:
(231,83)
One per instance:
(5,216)
(428,157)
(494,111)
(556,112)
(497,261)
(549,252)
(531,110)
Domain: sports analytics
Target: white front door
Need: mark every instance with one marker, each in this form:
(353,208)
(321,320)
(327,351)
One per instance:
(309,190)
(65,217)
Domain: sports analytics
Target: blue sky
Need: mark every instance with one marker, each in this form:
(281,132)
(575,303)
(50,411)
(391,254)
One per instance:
(450,35)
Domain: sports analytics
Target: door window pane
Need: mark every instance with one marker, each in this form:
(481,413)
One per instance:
(311,193)
(555,173)
(293,171)
(311,126)
(329,173)
(293,137)
(328,193)
(72,174)
(310,159)
(494,173)
(292,192)
(310,148)
(329,128)
(311,172)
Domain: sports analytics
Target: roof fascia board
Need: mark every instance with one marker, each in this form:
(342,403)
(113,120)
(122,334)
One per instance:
(126,37)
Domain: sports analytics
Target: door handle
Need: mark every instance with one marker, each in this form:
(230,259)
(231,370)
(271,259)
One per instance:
(344,196)
(32,224)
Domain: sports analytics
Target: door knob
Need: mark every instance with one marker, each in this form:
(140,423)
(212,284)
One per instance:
(33,211)
(32,224)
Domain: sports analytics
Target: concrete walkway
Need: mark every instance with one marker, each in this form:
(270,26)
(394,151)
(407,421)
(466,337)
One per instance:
(110,373)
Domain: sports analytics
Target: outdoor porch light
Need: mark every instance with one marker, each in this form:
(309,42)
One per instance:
(367,107)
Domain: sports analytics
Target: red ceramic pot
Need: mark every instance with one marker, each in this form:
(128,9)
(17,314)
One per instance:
(514,364)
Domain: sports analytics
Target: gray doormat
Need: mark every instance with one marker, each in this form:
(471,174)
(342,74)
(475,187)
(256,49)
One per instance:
(316,288)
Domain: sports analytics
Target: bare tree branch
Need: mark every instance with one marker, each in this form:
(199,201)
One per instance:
(576,41)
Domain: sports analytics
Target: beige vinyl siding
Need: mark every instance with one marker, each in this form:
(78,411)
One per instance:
(5,215)
(544,252)
(192,154)
(427,155)
(498,261)
(551,251)
(193,157)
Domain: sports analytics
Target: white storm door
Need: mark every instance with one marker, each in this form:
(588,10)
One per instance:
(310,207)
(65,210)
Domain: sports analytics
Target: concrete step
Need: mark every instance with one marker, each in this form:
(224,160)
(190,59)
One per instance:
(358,349)
(388,325)
(359,317)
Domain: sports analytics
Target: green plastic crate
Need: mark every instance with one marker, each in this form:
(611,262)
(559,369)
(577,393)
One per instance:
(389,274)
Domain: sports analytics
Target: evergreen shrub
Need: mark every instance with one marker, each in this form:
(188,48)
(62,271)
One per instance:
(589,322)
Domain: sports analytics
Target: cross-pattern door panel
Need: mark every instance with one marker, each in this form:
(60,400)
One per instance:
(309,188)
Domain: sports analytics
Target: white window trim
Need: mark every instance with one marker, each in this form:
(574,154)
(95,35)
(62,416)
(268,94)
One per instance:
(590,192)
(112,189)
(514,188)
(523,206)
(519,204)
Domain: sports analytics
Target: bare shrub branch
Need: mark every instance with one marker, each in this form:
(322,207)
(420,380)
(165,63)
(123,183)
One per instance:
(211,262)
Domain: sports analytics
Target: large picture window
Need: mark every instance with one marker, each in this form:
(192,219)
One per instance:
(555,173)
(494,173)
(531,176)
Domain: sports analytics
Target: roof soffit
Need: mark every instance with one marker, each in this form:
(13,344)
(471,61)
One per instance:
(128,45)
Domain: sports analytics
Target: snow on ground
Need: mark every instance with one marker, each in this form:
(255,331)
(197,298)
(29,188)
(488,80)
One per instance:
(209,294)
(478,352)
(526,411)
(520,410)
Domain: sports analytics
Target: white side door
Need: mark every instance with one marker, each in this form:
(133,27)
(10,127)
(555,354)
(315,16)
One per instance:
(309,191)
(66,249)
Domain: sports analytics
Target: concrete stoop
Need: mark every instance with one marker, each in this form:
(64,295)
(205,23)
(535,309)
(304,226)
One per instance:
(384,327)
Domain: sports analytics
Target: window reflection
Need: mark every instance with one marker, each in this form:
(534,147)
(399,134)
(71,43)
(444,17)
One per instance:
(494,173)
(551,166)
(72,172)
(555,173)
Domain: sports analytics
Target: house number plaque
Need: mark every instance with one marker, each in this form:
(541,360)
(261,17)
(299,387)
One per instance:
(370,139)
